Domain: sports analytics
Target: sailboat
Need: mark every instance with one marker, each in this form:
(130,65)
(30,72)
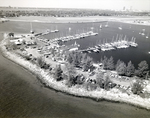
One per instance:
(143,30)
(132,42)
(31,30)
(56,30)
(92,28)
(143,33)
(100,26)
(120,27)
(69,29)
(52,30)
(147,36)
(106,24)
(74,47)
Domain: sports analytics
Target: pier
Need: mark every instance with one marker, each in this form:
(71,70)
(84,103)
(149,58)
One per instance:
(74,37)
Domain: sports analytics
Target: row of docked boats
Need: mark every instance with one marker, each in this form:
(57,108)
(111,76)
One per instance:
(74,37)
(118,44)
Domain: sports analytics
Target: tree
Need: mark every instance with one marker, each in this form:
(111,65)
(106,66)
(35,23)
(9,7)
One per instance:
(70,58)
(40,62)
(137,87)
(88,64)
(58,73)
(121,68)
(77,58)
(99,79)
(11,34)
(110,63)
(118,63)
(71,73)
(142,69)
(27,57)
(103,81)
(130,69)
(107,82)
(104,62)
(84,57)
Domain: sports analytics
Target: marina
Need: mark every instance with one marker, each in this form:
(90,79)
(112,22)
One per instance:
(119,42)
(108,41)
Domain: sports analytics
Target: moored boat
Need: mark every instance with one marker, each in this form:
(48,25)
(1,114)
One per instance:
(147,36)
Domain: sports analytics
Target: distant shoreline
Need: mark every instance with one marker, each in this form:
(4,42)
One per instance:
(41,19)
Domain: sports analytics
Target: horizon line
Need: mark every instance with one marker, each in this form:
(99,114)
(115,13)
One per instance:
(69,8)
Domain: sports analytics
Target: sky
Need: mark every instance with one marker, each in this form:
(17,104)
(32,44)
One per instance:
(92,4)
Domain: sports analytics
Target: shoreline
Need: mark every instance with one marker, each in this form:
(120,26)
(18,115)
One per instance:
(90,19)
(94,99)
(49,82)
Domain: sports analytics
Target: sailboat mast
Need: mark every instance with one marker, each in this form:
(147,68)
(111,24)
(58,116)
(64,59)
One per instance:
(31,29)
